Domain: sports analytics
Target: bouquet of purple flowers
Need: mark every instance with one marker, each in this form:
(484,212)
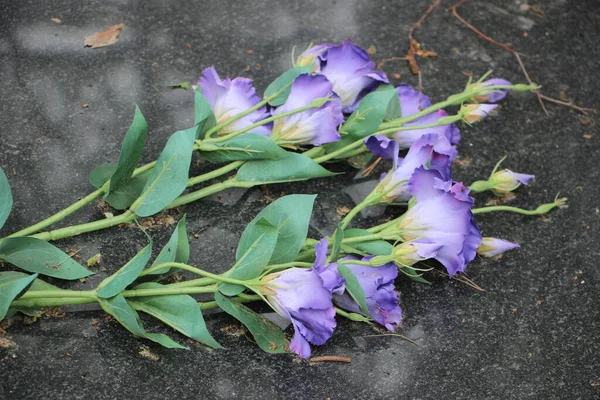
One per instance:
(332,105)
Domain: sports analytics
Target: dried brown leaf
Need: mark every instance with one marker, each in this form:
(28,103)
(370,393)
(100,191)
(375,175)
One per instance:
(104,38)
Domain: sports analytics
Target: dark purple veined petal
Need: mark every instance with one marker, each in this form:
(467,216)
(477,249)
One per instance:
(382,146)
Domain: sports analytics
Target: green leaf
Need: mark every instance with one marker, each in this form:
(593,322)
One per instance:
(250,146)
(181,312)
(169,177)
(268,336)
(363,122)
(360,161)
(119,308)
(291,216)
(11,287)
(253,261)
(293,167)
(123,197)
(36,255)
(372,247)
(131,150)
(337,238)
(128,273)
(203,115)
(412,274)
(354,288)
(37,285)
(177,249)
(6,200)
(283,84)
(393,110)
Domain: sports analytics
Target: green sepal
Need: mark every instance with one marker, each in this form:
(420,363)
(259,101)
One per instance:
(126,275)
(251,146)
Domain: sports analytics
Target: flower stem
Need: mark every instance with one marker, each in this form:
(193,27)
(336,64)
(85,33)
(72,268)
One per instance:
(236,117)
(198,271)
(207,191)
(214,174)
(75,230)
(543,209)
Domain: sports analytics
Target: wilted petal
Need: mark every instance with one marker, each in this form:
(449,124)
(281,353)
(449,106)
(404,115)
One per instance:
(491,247)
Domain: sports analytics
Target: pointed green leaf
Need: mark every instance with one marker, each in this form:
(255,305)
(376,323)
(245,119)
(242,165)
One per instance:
(253,261)
(203,115)
(279,90)
(36,255)
(131,150)
(177,249)
(6,200)
(123,197)
(251,146)
(119,308)
(291,216)
(128,273)
(337,238)
(11,287)
(294,167)
(363,122)
(169,177)
(412,274)
(354,288)
(268,336)
(181,312)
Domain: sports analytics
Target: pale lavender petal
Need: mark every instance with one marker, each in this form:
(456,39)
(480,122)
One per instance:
(523,178)
(407,137)
(299,345)
(332,280)
(316,326)
(231,97)
(411,100)
(320,254)
(314,126)
(493,96)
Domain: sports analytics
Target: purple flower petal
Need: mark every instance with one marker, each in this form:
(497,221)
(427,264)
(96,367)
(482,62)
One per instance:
(378,285)
(412,102)
(350,70)
(299,295)
(507,181)
(442,215)
(332,280)
(492,96)
(431,151)
(230,97)
(314,126)
(382,146)
(491,247)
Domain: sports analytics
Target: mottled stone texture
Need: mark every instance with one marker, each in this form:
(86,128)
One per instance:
(533,334)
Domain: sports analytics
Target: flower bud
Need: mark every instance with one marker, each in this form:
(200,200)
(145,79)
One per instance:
(490,95)
(506,181)
(476,112)
(491,247)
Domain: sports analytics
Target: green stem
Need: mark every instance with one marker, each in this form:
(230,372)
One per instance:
(358,208)
(52,302)
(193,283)
(543,209)
(75,230)
(36,294)
(197,271)
(168,291)
(207,191)
(262,122)
(214,174)
(213,304)
(314,152)
(339,151)
(236,117)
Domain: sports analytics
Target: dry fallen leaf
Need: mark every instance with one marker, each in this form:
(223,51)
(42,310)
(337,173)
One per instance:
(342,210)
(105,38)
(372,50)
(397,76)
(57,20)
(587,136)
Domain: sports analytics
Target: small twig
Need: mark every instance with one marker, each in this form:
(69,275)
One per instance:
(342,359)
(414,46)
(371,167)
(385,60)
(517,56)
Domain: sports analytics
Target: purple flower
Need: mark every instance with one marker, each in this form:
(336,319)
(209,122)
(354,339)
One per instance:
(492,95)
(298,295)
(382,146)
(332,280)
(491,247)
(349,69)
(430,151)
(440,216)
(476,112)
(378,285)
(310,55)
(507,181)
(413,102)
(228,98)
(315,126)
